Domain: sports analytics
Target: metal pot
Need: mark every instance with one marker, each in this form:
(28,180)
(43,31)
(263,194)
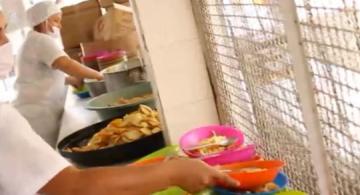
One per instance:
(104,107)
(123,75)
(95,87)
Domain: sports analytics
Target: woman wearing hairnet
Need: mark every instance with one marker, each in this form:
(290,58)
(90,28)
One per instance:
(41,66)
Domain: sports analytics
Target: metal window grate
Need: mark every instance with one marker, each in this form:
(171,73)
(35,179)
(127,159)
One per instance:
(252,73)
(331,38)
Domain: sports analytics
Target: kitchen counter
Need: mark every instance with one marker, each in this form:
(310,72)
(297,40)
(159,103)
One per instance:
(75,115)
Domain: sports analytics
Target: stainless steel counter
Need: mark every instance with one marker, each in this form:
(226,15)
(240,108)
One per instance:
(75,116)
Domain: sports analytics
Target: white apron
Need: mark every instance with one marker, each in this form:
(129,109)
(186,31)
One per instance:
(27,162)
(41,89)
(6,60)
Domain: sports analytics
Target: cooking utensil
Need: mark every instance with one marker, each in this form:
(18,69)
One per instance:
(104,104)
(224,142)
(110,155)
(122,75)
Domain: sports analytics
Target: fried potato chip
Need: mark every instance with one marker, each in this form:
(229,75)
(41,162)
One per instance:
(133,135)
(116,123)
(146,131)
(156,130)
(133,126)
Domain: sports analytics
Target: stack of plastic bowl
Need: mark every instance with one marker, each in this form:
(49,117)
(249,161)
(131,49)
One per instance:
(91,59)
(236,158)
(111,59)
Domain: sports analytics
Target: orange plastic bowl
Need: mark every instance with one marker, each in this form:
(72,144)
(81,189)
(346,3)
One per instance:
(149,161)
(251,180)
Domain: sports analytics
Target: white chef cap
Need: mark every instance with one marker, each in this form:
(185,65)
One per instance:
(41,12)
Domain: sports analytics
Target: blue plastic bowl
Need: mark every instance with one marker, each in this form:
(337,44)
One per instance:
(83,95)
(281,181)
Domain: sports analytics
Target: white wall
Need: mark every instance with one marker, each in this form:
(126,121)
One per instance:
(173,49)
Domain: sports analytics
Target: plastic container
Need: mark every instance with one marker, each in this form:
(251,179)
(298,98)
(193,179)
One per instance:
(195,136)
(83,95)
(111,58)
(82,92)
(91,60)
(281,181)
(251,180)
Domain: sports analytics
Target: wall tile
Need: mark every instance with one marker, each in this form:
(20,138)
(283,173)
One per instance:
(183,118)
(166,21)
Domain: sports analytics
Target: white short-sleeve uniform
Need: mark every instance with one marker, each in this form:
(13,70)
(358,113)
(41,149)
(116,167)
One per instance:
(41,89)
(27,162)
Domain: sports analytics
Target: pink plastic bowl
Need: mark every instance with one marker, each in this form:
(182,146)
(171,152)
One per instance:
(194,136)
(246,153)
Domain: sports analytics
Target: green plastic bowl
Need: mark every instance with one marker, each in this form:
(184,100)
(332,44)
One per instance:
(103,104)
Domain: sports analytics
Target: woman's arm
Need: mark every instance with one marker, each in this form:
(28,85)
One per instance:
(191,175)
(74,68)
(107,180)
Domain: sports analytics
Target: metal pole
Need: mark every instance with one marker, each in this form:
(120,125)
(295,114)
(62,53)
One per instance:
(304,86)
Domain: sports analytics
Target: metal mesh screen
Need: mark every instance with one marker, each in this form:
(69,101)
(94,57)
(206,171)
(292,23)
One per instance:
(252,73)
(331,38)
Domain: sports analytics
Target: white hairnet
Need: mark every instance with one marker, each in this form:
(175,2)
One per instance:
(41,12)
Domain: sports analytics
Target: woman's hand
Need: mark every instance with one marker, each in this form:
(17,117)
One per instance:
(194,175)
(74,81)
(99,76)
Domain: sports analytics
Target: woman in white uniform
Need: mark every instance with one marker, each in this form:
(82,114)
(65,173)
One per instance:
(30,166)
(40,67)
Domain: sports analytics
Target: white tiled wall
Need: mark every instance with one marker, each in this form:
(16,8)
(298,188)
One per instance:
(177,63)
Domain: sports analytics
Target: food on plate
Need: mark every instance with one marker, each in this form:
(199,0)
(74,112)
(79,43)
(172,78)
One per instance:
(267,187)
(133,126)
(122,100)
(249,170)
(212,145)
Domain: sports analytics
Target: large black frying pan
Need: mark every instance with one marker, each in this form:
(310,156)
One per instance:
(108,156)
